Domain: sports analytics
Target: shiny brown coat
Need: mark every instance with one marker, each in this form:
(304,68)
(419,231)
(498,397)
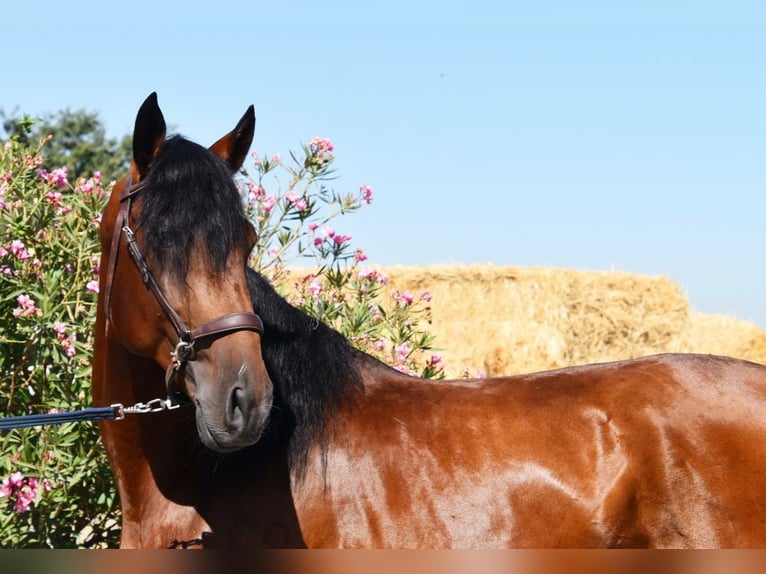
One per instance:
(665,452)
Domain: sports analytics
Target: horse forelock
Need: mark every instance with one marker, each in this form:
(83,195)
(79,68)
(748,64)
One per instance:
(312,367)
(190,202)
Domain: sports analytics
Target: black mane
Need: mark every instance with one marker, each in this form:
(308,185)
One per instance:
(312,368)
(190,200)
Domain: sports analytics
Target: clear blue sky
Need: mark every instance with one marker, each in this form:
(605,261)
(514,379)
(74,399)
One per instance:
(590,135)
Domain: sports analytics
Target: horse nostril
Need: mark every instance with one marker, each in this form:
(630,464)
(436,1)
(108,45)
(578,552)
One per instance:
(236,407)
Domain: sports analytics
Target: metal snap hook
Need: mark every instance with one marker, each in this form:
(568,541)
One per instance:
(182,352)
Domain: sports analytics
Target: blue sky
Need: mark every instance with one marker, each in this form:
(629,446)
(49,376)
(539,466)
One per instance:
(590,135)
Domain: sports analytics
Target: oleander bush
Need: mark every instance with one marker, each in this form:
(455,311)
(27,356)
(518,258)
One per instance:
(57,488)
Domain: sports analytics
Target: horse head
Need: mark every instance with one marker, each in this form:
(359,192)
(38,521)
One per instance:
(183,299)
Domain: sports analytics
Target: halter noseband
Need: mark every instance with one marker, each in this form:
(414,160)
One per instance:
(184,348)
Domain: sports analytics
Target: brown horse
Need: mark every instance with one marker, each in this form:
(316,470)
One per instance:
(663,451)
(174,298)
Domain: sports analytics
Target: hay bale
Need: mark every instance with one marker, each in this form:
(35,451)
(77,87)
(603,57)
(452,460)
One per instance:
(723,335)
(508,320)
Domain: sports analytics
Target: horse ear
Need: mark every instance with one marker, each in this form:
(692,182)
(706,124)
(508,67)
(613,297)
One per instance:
(148,134)
(232,148)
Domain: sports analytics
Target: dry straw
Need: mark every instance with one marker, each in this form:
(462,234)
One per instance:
(507,320)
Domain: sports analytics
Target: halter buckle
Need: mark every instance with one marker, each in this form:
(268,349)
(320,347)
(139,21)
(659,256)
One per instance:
(135,254)
(182,352)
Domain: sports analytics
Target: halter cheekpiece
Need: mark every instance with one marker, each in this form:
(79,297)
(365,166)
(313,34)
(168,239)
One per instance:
(184,349)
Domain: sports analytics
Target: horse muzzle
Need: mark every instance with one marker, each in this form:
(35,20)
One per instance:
(229,415)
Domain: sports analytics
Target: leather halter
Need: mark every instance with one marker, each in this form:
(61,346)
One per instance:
(187,338)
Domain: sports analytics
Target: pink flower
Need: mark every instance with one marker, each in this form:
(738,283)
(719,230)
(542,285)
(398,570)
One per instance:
(425,296)
(87,187)
(54,197)
(367,273)
(15,480)
(3,252)
(313,227)
(22,489)
(434,360)
(255,192)
(402,352)
(25,497)
(19,250)
(34,160)
(68,344)
(26,307)
(60,329)
(360,255)
(315,287)
(276,158)
(341,239)
(296,201)
(318,241)
(58,177)
(370,274)
(366,192)
(407,298)
(301,205)
(97,175)
(268,203)
(328,231)
(92,286)
(321,146)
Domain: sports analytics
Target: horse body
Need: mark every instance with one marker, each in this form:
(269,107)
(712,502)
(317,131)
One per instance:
(659,452)
(664,451)
(295,439)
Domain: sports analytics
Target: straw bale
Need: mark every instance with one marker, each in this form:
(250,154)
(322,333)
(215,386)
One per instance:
(505,320)
(723,335)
